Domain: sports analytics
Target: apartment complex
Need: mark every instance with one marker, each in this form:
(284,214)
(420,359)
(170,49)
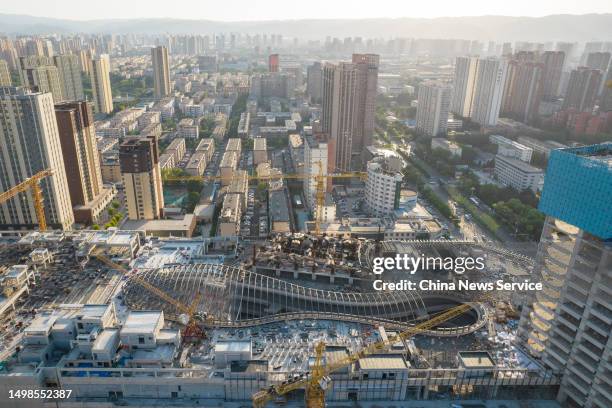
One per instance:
(141,173)
(39,74)
(81,161)
(5,74)
(432,108)
(582,89)
(349,96)
(99,72)
(567,324)
(69,70)
(161,72)
(30,143)
(523,90)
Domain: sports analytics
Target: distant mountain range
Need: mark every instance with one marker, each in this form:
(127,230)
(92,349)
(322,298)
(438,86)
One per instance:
(587,27)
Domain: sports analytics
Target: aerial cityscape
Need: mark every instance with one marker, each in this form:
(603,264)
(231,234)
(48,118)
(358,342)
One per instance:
(339,211)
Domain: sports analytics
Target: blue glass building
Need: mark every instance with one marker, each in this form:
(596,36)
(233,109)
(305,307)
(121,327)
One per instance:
(578,188)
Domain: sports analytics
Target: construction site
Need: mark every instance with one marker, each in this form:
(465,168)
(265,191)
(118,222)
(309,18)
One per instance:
(116,316)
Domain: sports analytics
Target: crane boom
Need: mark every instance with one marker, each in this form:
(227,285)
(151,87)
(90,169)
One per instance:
(315,393)
(33,183)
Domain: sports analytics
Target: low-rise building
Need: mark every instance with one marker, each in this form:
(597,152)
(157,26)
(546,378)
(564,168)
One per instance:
(234,145)
(188,128)
(196,164)
(279,211)
(229,163)
(229,218)
(260,150)
(453,148)
(206,145)
(518,174)
(182,227)
(510,148)
(177,148)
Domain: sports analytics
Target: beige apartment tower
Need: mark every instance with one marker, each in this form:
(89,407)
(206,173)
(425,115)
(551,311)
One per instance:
(30,143)
(99,72)
(141,173)
(69,71)
(5,73)
(40,75)
(161,72)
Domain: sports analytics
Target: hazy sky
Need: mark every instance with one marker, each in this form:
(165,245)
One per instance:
(241,10)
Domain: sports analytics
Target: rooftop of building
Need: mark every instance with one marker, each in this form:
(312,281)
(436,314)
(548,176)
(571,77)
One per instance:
(259,143)
(164,225)
(141,321)
(518,164)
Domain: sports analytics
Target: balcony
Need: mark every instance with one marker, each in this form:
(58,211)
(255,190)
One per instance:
(583,377)
(565,332)
(589,364)
(591,350)
(602,313)
(598,325)
(595,338)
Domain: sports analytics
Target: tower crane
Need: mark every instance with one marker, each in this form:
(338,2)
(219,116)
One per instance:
(320,179)
(192,329)
(34,184)
(319,378)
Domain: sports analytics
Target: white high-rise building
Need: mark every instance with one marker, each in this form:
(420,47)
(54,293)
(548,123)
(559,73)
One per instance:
(30,143)
(489,90)
(69,70)
(478,89)
(383,185)
(161,72)
(432,108)
(464,85)
(99,71)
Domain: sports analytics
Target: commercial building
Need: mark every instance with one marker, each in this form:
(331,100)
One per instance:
(582,89)
(69,71)
(99,72)
(141,175)
(567,324)
(518,174)
(260,150)
(183,226)
(81,161)
(540,146)
(161,72)
(39,74)
(383,186)
(30,143)
(349,93)
(432,110)
(510,148)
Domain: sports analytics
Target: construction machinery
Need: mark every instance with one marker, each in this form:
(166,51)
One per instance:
(319,378)
(192,330)
(32,183)
(319,178)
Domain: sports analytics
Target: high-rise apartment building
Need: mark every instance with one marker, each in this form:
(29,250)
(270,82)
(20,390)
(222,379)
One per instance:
(349,96)
(523,90)
(141,173)
(161,72)
(598,60)
(99,72)
(582,89)
(383,185)
(5,73)
(432,108)
(553,67)
(568,324)
(69,71)
(488,91)
(314,81)
(30,143)
(464,85)
(273,63)
(478,89)
(81,161)
(39,74)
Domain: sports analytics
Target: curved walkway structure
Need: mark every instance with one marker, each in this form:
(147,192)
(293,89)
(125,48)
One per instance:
(234,297)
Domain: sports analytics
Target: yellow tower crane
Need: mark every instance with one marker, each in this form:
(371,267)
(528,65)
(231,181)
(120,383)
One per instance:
(34,184)
(319,380)
(320,179)
(192,329)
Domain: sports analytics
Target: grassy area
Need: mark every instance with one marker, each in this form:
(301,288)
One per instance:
(481,217)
